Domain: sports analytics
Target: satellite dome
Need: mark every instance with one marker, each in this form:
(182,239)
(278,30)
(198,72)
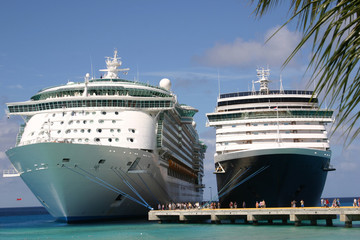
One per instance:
(165,83)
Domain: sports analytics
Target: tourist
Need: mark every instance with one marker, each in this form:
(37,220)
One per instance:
(231,204)
(355,203)
(337,202)
(244,204)
(257,204)
(302,203)
(334,203)
(322,202)
(235,205)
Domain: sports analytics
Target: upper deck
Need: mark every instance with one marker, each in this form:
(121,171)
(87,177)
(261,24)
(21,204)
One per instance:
(270,92)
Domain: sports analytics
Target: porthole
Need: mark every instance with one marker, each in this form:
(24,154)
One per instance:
(62,122)
(131,130)
(78,121)
(84,122)
(110,140)
(82,130)
(93,113)
(97,139)
(116,113)
(99,130)
(54,115)
(70,122)
(68,131)
(130,140)
(116,139)
(86,140)
(75,130)
(79,140)
(91,121)
(119,130)
(113,121)
(87,113)
(59,131)
(112,130)
(101,121)
(89,130)
(103,113)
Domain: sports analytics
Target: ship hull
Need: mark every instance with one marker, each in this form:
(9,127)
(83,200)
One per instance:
(79,182)
(277,176)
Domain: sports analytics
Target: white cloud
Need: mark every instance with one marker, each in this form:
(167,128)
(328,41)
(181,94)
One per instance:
(242,53)
(16,86)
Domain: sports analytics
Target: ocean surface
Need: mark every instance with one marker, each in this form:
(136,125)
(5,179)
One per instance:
(35,223)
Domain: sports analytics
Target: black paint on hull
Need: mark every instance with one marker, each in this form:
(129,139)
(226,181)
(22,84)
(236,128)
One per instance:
(278,179)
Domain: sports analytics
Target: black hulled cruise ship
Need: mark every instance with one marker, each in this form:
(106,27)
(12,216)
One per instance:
(271,145)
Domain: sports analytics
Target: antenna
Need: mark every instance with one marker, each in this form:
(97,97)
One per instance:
(137,73)
(281,85)
(91,66)
(218,82)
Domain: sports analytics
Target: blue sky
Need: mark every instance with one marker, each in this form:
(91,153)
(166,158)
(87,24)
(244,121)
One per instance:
(193,43)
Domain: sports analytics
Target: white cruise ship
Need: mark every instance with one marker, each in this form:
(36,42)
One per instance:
(108,148)
(271,145)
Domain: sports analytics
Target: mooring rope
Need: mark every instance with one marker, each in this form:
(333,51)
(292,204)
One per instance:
(246,179)
(105,184)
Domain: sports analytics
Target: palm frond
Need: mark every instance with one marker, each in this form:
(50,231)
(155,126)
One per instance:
(332,27)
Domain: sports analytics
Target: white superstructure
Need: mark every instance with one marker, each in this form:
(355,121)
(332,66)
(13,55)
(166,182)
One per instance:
(131,141)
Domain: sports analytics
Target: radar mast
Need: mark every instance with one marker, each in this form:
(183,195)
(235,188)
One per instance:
(263,76)
(112,65)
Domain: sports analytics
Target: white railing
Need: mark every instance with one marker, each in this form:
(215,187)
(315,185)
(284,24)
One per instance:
(10,173)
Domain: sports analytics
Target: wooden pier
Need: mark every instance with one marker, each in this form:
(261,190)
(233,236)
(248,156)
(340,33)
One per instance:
(254,215)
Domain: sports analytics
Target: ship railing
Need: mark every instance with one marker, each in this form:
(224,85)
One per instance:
(10,173)
(271,92)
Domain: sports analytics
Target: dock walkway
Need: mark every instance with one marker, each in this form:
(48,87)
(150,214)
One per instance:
(254,215)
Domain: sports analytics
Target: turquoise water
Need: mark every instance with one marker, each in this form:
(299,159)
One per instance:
(44,227)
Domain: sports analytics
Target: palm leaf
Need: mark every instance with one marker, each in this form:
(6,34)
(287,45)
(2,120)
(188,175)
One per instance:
(332,27)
